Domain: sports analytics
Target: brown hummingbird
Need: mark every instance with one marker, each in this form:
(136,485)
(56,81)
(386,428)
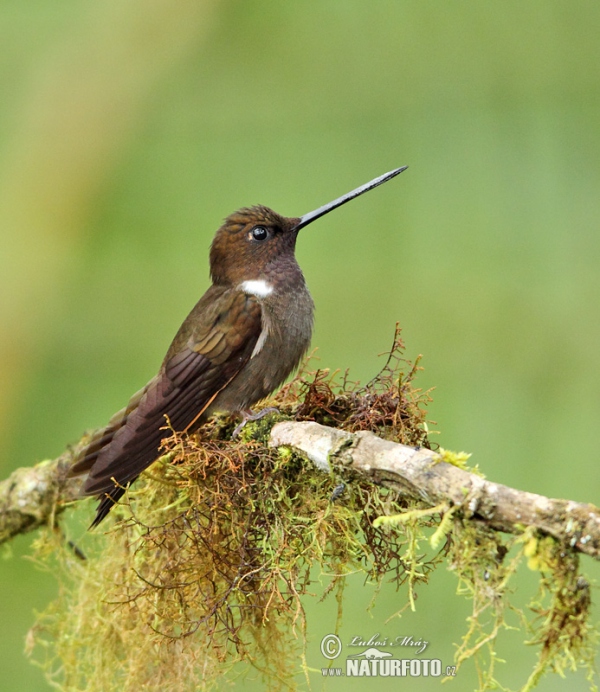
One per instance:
(242,339)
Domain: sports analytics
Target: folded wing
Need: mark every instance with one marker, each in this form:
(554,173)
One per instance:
(205,356)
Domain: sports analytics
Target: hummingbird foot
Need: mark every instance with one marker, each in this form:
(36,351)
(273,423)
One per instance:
(249,416)
(338,491)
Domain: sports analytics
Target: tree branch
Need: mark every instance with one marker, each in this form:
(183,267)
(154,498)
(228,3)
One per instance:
(422,474)
(32,497)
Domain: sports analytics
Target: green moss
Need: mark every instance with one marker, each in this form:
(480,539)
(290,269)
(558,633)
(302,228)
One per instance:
(459,459)
(561,628)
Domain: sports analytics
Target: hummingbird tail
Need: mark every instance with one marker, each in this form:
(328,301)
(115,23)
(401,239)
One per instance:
(87,455)
(109,500)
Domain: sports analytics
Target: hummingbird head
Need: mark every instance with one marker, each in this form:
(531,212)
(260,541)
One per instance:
(249,243)
(257,243)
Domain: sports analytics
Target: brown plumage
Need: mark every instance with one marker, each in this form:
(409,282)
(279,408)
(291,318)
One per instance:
(238,344)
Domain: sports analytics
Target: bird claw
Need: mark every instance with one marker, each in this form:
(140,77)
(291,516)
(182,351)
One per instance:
(338,491)
(249,417)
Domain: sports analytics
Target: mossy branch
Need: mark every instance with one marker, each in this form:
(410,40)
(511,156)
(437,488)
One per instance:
(32,496)
(424,475)
(210,557)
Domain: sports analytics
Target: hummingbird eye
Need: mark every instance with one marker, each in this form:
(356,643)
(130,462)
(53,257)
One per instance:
(258,233)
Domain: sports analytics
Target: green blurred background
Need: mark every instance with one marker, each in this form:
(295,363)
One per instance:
(130,128)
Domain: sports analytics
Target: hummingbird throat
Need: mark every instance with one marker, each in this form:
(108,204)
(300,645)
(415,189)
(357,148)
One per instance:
(258,287)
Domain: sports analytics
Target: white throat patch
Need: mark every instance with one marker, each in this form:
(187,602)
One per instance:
(258,288)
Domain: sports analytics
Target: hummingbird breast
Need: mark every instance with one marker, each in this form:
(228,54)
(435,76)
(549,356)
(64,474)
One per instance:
(287,322)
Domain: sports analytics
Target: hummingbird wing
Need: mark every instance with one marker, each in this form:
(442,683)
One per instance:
(210,349)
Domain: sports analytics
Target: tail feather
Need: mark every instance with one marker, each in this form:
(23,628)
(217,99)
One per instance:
(87,456)
(109,500)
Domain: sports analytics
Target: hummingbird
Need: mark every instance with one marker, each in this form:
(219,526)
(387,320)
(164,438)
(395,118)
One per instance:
(239,343)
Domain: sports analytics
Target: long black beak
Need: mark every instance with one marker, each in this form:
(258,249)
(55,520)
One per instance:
(326,208)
